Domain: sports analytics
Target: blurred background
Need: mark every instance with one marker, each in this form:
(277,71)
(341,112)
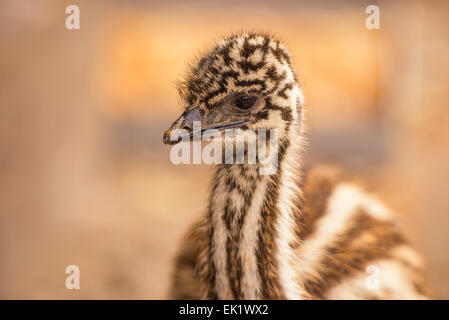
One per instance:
(86,180)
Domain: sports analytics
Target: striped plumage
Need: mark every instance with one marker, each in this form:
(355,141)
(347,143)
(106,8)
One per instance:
(280,236)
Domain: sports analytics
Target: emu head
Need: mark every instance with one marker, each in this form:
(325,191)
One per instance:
(247,83)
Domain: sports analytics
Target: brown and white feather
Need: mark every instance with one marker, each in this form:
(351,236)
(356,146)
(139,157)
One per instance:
(283,236)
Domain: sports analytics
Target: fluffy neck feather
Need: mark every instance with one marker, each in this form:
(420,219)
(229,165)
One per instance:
(252,225)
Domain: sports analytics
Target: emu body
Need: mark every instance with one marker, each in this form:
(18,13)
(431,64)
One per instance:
(287,235)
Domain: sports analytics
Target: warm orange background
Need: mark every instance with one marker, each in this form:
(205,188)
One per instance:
(85,179)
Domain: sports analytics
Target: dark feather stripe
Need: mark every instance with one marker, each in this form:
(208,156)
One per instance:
(249,83)
(248,49)
(348,254)
(210,276)
(210,269)
(234,267)
(248,66)
(286,113)
(317,189)
(266,249)
(282,92)
(234,220)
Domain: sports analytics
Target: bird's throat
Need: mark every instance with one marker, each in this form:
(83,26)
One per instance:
(253,230)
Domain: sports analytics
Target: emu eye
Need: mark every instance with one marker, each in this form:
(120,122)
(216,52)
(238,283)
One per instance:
(245,102)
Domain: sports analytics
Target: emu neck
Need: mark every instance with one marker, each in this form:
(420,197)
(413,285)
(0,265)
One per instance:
(252,223)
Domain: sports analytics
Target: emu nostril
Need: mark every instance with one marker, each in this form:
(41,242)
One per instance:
(190,116)
(187,127)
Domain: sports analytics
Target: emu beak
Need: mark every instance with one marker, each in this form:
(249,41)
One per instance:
(185,122)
